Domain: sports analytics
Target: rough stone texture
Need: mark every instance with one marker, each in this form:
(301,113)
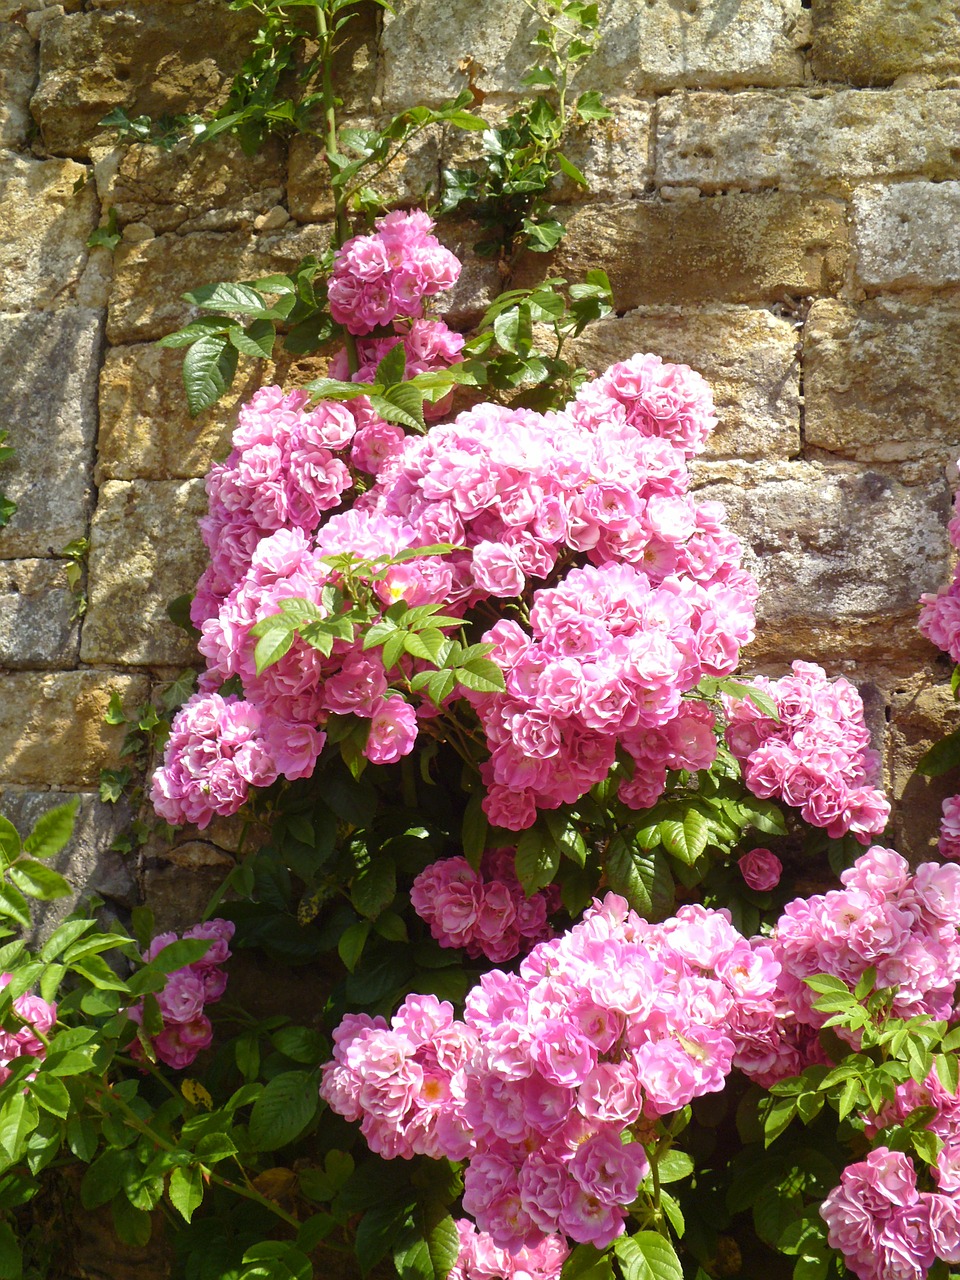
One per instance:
(44,247)
(145,428)
(18,73)
(882,379)
(748,357)
(411,180)
(643,45)
(37,627)
(136,568)
(51,726)
(908,234)
(922,712)
(52,424)
(874,41)
(710,140)
(479,281)
(145,302)
(736,248)
(841,555)
(179,882)
(150,57)
(213,187)
(88,862)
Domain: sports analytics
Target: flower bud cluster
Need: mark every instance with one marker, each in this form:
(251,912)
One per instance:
(817,757)
(485,912)
(884,1226)
(38,1017)
(603,1031)
(186,1028)
(902,924)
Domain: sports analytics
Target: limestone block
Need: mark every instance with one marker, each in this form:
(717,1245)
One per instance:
(797,141)
(882,379)
(37,628)
(748,357)
(46,224)
(179,882)
(146,303)
(479,281)
(908,234)
(874,41)
(410,180)
(145,550)
(152,57)
(212,187)
(733,248)
(841,555)
(51,726)
(48,397)
(18,73)
(643,45)
(922,711)
(88,862)
(146,431)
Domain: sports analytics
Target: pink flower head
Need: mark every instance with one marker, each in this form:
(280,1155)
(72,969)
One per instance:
(760,869)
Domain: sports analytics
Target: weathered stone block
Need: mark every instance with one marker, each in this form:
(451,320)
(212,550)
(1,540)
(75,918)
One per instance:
(18,73)
(146,303)
(48,398)
(797,141)
(748,357)
(908,234)
(151,56)
(882,379)
(146,431)
(921,712)
(179,882)
(411,180)
(136,568)
(46,224)
(37,627)
(874,41)
(51,726)
(841,555)
(643,45)
(734,248)
(213,187)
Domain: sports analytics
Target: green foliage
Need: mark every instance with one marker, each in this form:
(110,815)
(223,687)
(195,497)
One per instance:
(7,507)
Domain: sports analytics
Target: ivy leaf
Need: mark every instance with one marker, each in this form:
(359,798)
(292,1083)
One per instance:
(590,106)
(570,169)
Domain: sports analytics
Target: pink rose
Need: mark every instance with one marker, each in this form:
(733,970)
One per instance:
(761,869)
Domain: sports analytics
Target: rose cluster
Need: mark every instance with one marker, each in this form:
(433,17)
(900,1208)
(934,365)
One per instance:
(388,274)
(602,1031)
(481,1259)
(902,924)
(38,1017)
(186,1028)
(816,757)
(485,912)
(884,1226)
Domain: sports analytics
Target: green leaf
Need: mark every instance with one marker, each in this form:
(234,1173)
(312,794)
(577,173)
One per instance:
(202,328)
(284,1109)
(186,1190)
(642,876)
(63,937)
(443,1244)
(13,905)
(481,675)
(11,1260)
(686,837)
(392,367)
(132,1225)
(570,169)
(52,831)
(948,1071)
(238,298)
(588,1263)
(51,1094)
(475,830)
(9,840)
(403,404)
(537,859)
(308,335)
(352,942)
(208,369)
(377,1232)
(277,1260)
(38,881)
(647,1256)
(374,887)
(942,756)
(18,1119)
(590,106)
(255,340)
(274,642)
(82,1138)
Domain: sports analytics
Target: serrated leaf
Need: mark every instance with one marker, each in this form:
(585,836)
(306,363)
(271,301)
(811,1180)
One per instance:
(208,369)
(403,404)
(13,905)
(38,881)
(256,340)
(948,1071)
(642,876)
(686,837)
(9,840)
(537,859)
(239,298)
(52,831)
(942,756)
(186,1190)
(374,887)
(352,942)
(647,1256)
(272,645)
(18,1119)
(284,1109)
(392,367)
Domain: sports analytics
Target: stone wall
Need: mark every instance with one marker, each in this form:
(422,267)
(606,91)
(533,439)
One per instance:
(776,199)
